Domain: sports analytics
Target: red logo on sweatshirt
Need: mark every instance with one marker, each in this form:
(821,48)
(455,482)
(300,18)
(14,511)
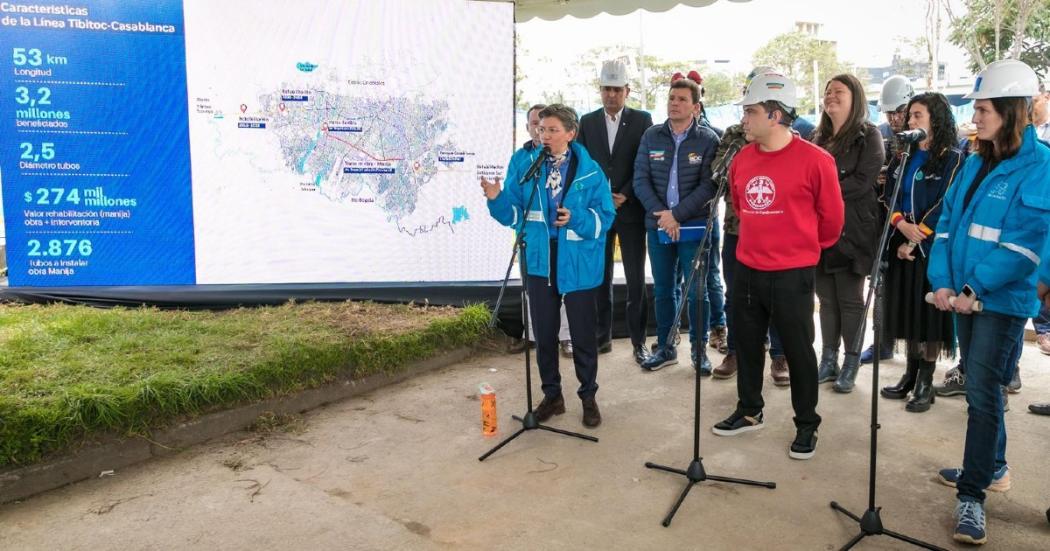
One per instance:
(760,192)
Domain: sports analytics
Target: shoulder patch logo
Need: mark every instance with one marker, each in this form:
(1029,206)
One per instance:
(998,191)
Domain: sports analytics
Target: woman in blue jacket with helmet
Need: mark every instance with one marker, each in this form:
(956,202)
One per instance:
(564,250)
(987,245)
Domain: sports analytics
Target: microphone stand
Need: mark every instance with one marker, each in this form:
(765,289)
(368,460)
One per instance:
(528,422)
(871,521)
(696,473)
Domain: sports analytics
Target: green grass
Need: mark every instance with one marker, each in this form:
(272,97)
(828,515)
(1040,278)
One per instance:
(69,373)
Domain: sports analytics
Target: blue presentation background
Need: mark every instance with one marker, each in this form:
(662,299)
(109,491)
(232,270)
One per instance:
(151,108)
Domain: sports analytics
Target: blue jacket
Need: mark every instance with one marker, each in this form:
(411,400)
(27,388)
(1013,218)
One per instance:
(927,195)
(581,243)
(652,170)
(994,244)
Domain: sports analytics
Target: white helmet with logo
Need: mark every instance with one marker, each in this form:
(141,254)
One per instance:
(770,86)
(896,92)
(1006,78)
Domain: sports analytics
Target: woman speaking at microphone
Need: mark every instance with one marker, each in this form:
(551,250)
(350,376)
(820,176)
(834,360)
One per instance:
(564,250)
(992,229)
(931,168)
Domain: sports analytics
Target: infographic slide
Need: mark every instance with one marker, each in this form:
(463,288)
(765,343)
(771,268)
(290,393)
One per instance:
(254,141)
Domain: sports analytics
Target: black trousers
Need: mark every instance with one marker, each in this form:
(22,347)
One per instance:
(545,306)
(841,307)
(632,252)
(785,299)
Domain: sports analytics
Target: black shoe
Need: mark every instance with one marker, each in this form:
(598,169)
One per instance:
(829,366)
(738,423)
(663,357)
(923,396)
(954,382)
(605,347)
(805,444)
(641,354)
(591,416)
(846,378)
(550,406)
(900,390)
(1041,408)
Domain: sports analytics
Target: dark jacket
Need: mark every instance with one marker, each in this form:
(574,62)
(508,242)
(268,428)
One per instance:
(652,169)
(927,195)
(619,164)
(858,165)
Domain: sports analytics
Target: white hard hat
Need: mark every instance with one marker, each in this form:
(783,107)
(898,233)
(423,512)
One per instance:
(614,73)
(1006,78)
(770,87)
(761,69)
(896,92)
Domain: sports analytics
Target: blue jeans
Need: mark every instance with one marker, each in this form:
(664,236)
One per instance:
(1042,321)
(668,262)
(715,301)
(776,349)
(991,344)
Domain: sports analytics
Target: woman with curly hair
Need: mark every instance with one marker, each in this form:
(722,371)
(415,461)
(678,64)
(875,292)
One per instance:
(925,179)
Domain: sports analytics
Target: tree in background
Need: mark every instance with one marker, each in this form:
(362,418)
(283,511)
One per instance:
(794,53)
(996,29)
(722,88)
(650,77)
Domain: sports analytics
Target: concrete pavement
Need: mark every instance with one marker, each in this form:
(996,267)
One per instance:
(398,469)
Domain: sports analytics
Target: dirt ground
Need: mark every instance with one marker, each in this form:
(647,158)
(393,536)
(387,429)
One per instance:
(398,469)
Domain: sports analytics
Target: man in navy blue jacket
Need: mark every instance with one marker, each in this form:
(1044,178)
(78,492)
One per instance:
(672,179)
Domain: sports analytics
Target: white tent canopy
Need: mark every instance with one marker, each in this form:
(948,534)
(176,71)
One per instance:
(550,10)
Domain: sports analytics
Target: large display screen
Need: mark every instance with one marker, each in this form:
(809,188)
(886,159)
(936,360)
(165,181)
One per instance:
(253,141)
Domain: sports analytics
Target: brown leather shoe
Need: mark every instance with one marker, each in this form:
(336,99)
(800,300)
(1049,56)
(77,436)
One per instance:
(718,339)
(591,416)
(727,368)
(549,407)
(779,370)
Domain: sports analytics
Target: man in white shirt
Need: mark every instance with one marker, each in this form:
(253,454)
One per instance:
(611,135)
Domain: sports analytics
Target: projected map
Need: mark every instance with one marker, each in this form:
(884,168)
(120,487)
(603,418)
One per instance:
(256,141)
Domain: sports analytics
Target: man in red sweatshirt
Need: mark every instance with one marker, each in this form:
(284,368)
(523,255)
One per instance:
(786,192)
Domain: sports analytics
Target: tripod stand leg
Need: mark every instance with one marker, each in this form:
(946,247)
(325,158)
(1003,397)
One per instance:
(685,491)
(567,433)
(835,505)
(856,539)
(770,485)
(649,465)
(501,444)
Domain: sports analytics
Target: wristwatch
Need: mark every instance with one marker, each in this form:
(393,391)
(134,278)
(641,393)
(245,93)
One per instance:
(968,292)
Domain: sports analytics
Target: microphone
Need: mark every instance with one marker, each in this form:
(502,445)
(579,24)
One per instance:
(978,306)
(912,136)
(727,159)
(531,172)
